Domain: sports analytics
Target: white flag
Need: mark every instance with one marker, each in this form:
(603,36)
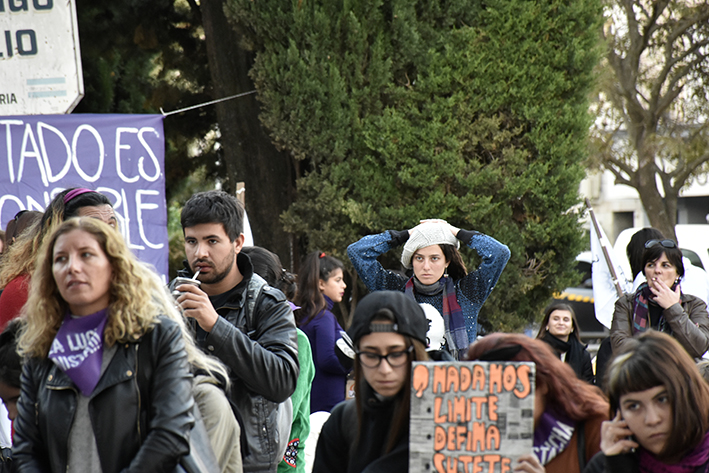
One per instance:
(604,291)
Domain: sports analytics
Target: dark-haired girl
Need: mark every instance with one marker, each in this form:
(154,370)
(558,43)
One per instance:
(660,304)
(440,277)
(560,330)
(320,286)
(660,408)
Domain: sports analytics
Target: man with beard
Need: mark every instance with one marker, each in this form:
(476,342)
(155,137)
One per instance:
(241,320)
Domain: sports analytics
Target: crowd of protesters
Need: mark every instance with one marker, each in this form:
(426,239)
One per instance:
(104,368)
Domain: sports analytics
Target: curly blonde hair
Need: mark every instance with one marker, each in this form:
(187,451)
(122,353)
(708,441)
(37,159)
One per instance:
(137,298)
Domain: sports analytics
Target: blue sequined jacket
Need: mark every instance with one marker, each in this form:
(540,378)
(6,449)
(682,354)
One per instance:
(471,291)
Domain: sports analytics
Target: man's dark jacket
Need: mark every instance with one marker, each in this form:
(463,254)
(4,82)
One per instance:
(260,348)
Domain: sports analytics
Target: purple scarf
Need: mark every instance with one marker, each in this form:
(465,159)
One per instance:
(456,333)
(691,461)
(77,349)
(552,435)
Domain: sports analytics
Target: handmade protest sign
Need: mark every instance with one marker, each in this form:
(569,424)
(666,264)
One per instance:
(473,417)
(120,156)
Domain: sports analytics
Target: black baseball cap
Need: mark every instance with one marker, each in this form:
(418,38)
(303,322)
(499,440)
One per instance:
(409,317)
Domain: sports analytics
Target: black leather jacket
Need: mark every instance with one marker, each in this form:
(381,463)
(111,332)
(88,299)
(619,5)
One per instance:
(49,398)
(261,351)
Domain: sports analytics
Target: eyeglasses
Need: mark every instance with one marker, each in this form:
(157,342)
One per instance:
(664,243)
(395,358)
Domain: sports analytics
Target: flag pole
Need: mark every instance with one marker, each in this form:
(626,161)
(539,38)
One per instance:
(616,283)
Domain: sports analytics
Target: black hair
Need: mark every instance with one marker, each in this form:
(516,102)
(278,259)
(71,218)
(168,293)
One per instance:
(10,361)
(316,266)
(59,211)
(636,247)
(268,265)
(674,256)
(214,207)
(456,266)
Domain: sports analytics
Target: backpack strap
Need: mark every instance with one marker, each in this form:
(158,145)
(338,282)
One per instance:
(253,293)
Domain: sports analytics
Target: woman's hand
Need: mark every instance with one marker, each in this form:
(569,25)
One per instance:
(450,227)
(665,297)
(615,437)
(529,464)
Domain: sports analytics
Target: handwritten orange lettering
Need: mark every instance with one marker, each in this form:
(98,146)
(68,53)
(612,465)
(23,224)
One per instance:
(478,401)
(478,378)
(439,438)
(476,437)
(465,378)
(459,409)
(439,379)
(495,378)
(491,460)
(509,378)
(477,468)
(451,438)
(523,375)
(492,407)
(453,383)
(438,462)
(492,435)
(505,465)
(437,417)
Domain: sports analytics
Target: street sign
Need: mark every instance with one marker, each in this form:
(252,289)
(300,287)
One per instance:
(40,61)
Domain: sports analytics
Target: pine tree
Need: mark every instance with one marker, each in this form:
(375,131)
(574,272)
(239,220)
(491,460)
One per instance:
(474,112)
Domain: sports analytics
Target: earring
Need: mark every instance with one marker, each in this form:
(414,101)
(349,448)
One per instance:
(445,272)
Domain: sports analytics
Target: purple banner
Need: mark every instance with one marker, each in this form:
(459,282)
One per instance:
(121,156)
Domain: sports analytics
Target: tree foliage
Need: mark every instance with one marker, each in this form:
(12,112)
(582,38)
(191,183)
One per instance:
(652,132)
(468,111)
(140,56)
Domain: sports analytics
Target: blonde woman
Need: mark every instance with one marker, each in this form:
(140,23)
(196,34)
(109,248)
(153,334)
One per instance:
(87,402)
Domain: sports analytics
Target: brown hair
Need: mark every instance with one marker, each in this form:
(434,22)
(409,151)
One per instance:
(400,421)
(559,306)
(456,266)
(657,359)
(316,266)
(578,399)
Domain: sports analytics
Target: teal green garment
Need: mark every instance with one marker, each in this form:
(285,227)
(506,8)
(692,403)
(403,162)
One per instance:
(300,429)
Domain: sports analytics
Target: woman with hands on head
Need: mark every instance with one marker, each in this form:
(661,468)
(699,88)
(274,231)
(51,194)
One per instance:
(439,274)
(659,303)
(660,408)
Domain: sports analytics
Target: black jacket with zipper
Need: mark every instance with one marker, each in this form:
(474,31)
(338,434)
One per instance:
(128,438)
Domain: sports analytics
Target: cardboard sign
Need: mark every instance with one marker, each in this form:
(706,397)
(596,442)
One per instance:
(472,417)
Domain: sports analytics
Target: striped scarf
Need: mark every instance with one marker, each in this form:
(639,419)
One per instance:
(456,332)
(641,310)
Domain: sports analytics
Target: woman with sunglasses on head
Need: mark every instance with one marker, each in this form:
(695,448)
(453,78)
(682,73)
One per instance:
(660,408)
(660,304)
(371,432)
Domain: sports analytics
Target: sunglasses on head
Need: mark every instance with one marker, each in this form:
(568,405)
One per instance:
(663,243)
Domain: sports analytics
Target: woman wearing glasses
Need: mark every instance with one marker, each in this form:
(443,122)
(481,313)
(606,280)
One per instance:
(371,432)
(660,304)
